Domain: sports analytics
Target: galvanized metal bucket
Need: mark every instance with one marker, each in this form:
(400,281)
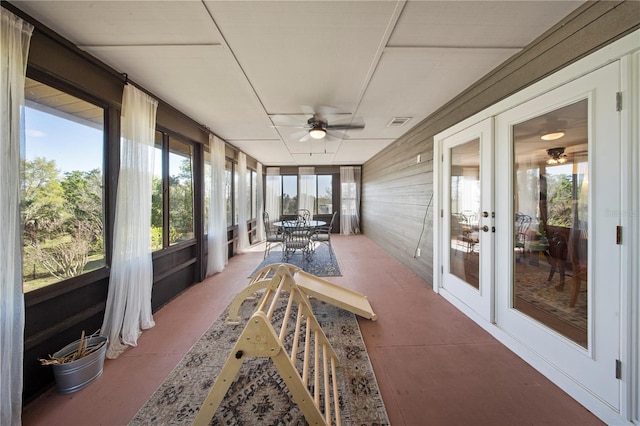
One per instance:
(75,375)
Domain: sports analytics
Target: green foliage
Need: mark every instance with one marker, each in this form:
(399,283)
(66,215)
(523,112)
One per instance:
(560,200)
(62,222)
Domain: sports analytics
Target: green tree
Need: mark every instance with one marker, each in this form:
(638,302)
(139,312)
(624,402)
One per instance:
(560,200)
(83,196)
(43,200)
(62,219)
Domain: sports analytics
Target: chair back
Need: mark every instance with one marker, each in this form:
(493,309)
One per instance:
(522,224)
(333,219)
(304,216)
(268,226)
(297,235)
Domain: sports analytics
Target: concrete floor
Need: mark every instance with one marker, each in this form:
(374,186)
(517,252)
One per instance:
(434,365)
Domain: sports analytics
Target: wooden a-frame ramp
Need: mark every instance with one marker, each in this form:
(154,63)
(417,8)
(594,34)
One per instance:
(259,339)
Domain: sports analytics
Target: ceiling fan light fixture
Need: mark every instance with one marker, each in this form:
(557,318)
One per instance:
(556,156)
(317,132)
(552,136)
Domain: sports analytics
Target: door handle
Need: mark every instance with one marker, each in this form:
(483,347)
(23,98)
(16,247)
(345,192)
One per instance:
(485,228)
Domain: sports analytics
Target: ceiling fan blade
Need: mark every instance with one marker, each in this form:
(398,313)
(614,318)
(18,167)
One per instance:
(337,135)
(356,123)
(325,112)
(305,137)
(307,110)
(288,121)
(330,112)
(345,127)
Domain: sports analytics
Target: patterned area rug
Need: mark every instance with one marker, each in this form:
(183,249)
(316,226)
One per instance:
(323,263)
(259,396)
(534,288)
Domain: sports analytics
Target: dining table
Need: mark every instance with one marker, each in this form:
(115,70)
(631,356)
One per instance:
(293,224)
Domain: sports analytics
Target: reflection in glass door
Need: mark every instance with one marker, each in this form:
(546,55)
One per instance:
(550,221)
(464,205)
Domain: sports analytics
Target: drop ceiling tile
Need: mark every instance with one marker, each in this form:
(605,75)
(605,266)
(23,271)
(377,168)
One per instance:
(360,150)
(268,152)
(194,79)
(415,82)
(97,23)
(305,53)
(477,23)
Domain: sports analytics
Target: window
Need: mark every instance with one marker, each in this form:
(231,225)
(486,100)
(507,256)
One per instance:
(325,194)
(289,194)
(228,172)
(254,194)
(156,196)
(180,191)
(171,216)
(62,189)
(207,188)
(249,212)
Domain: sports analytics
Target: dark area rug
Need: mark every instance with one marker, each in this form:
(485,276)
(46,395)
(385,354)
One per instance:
(322,264)
(259,396)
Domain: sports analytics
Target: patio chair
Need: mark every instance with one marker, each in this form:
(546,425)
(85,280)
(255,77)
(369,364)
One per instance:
(304,216)
(297,237)
(273,234)
(322,234)
(522,224)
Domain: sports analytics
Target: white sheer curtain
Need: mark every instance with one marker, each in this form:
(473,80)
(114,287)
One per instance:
(128,309)
(260,232)
(350,200)
(307,176)
(274,193)
(14,48)
(243,196)
(217,240)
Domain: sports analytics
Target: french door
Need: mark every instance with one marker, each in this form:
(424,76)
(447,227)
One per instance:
(467,240)
(527,238)
(558,285)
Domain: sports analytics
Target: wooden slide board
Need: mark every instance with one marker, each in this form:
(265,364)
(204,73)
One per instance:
(321,289)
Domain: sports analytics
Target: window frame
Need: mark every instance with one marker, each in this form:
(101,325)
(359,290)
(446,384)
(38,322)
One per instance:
(110,164)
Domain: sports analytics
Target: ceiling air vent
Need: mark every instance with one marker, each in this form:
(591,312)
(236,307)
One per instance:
(398,121)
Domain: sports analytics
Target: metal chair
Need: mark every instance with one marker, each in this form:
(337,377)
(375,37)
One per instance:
(522,223)
(297,236)
(273,234)
(322,234)
(304,216)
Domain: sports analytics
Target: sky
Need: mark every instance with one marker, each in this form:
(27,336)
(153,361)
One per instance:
(72,145)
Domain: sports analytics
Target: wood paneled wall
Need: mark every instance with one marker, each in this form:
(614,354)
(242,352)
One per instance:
(396,189)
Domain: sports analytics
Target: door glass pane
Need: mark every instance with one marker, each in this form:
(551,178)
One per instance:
(465,212)
(551,221)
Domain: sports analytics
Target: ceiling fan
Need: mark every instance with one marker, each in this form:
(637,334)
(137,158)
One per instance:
(322,122)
